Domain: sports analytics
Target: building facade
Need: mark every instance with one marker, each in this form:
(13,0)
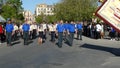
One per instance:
(44,9)
(29,16)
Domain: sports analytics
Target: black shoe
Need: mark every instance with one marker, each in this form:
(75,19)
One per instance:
(59,46)
(9,45)
(70,45)
(25,44)
(77,38)
(53,41)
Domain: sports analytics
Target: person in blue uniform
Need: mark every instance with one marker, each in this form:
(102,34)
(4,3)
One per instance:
(9,31)
(25,29)
(60,30)
(79,28)
(65,33)
(71,31)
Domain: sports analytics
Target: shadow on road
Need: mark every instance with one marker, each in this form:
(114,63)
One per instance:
(114,51)
(29,42)
(16,42)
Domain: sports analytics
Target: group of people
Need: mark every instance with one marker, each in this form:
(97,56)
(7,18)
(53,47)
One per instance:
(28,31)
(13,32)
(60,30)
(100,31)
(67,30)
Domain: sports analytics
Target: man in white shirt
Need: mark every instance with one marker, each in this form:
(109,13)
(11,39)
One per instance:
(31,31)
(21,31)
(34,33)
(98,30)
(52,29)
(45,30)
(15,37)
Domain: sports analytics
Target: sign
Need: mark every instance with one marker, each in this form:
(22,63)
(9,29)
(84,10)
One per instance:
(109,12)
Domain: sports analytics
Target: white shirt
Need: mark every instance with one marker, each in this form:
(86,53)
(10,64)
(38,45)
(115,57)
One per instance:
(34,26)
(52,28)
(44,26)
(98,27)
(40,28)
(31,28)
(15,27)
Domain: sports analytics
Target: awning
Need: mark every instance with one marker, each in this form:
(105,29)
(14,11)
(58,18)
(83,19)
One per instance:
(2,19)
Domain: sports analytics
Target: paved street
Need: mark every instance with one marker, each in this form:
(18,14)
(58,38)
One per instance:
(89,53)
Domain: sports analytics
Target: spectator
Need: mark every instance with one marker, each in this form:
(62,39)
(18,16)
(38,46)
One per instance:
(112,33)
(98,30)
(1,33)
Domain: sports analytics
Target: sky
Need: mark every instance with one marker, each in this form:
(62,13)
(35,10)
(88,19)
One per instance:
(31,4)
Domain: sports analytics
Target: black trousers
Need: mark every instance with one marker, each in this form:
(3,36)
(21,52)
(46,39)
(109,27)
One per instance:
(71,37)
(30,36)
(118,36)
(0,37)
(79,34)
(44,35)
(97,35)
(41,34)
(8,37)
(15,37)
(60,38)
(26,37)
(34,33)
(112,35)
(52,36)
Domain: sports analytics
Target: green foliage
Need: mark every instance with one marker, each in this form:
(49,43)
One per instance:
(20,16)
(45,18)
(8,11)
(51,18)
(75,9)
(39,19)
(12,9)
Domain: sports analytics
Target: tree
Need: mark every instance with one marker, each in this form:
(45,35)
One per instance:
(12,9)
(51,18)
(39,19)
(75,9)
(8,12)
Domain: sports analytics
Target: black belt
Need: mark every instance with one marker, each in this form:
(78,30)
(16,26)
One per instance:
(72,32)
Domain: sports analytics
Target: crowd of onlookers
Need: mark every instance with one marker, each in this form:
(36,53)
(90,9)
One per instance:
(100,31)
(92,30)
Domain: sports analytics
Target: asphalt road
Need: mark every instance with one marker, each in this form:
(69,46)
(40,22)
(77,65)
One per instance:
(88,53)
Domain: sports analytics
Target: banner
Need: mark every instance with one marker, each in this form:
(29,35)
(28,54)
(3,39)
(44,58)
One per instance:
(109,12)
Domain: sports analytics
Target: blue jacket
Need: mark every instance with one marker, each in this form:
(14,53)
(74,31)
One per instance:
(60,28)
(71,27)
(26,27)
(9,27)
(112,30)
(79,26)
